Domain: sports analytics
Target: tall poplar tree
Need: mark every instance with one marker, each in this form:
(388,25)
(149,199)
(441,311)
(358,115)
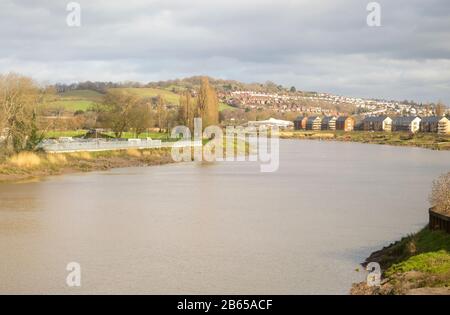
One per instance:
(208,104)
(187,110)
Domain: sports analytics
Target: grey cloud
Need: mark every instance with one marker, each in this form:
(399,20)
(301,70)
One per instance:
(319,45)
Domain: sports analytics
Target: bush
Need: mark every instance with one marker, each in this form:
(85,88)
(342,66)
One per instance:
(25,160)
(440,194)
(134,153)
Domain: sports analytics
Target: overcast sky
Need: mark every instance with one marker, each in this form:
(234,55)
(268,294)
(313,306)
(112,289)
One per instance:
(323,46)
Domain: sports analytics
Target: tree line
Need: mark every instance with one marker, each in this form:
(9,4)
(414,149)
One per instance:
(23,124)
(123,111)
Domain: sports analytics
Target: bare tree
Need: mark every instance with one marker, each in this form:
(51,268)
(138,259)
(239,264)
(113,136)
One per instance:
(141,117)
(19,97)
(440,194)
(118,111)
(187,110)
(161,113)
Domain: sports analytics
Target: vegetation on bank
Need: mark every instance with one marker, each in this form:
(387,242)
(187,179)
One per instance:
(433,263)
(425,241)
(422,140)
(420,261)
(25,120)
(26,165)
(417,263)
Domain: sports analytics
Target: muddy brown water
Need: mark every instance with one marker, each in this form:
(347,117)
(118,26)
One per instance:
(217,229)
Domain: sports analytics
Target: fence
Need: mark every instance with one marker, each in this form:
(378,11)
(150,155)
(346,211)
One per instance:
(439,221)
(55,146)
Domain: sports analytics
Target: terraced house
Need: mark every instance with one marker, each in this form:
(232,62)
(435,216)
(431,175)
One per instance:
(409,123)
(377,123)
(329,123)
(345,123)
(430,123)
(444,126)
(300,123)
(314,123)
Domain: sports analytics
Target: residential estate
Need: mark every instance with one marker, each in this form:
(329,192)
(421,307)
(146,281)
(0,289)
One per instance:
(413,124)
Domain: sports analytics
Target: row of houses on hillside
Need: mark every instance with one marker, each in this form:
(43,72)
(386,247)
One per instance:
(413,124)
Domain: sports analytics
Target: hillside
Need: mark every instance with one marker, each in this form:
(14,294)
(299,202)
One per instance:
(170,97)
(74,100)
(221,85)
(82,94)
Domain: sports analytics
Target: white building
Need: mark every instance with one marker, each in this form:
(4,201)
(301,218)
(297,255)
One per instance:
(272,122)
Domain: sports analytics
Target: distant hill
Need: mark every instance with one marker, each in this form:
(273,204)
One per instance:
(221,85)
(83,99)
(169,96)
(74,100)
(82,95)
(175,86)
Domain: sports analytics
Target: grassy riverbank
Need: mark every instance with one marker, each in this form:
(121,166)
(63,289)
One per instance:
(422,140)
(417,264)
(28,165)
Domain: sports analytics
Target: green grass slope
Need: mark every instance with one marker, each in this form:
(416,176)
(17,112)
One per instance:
(169,96)
(83,99)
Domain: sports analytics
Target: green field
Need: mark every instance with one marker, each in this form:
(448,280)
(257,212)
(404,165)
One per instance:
(71,105)
(74,100)
(83,99)
(223,106)
(169,96)
(82,95)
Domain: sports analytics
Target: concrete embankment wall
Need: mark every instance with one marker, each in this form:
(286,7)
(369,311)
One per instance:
(101,145)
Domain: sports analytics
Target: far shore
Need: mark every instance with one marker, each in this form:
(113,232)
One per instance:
(27,166)
(41,164)
(422,140)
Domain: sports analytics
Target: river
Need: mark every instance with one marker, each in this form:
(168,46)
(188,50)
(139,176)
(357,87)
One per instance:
(221,228)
